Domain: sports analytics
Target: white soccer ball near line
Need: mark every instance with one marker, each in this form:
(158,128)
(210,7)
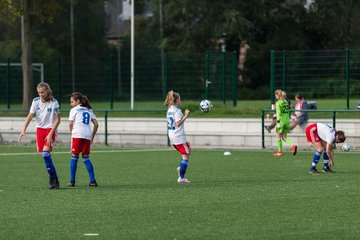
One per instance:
(205,106)
(345,147)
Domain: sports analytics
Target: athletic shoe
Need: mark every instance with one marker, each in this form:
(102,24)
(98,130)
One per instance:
(278,154)
(267,129)
(183,180)
(178,171)
(313,170)
(93,184)
(294,150)
(327,170)
(71,184)
(54,183)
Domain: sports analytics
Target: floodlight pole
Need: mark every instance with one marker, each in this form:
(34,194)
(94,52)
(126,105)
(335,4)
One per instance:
(72,45)
(132,54)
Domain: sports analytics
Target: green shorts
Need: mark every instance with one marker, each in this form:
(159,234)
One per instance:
(284,128)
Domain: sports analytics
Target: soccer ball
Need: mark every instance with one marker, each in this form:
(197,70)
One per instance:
(345,147)
(205,106)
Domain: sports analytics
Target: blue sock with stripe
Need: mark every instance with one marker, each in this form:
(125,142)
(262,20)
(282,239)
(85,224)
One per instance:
(326,159)
(73,166)
(316,159)
(183,167)
(50,168)
(90,169)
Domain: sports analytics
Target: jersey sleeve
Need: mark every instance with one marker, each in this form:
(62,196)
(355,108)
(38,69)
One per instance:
(56,107)
(33,107)
(278,110)
(72,114)
(178,115)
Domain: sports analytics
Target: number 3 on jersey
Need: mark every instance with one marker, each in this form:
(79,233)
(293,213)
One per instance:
(171,123)
(86,118)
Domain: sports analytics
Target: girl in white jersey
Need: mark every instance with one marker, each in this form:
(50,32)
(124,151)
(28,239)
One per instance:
(80,117)
(323,137)
(47,113)
(176,119)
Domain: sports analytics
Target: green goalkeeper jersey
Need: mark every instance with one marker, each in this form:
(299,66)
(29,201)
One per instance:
(282,112)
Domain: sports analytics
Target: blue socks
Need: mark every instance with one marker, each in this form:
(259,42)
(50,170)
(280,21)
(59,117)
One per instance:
(90,169)
(50,168)
(326,160)
(183,167)
(73,166)
(316,158)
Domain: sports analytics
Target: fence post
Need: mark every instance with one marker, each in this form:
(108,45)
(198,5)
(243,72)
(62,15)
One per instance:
(206,75)
(8,76)
(111,80)
(262,129)
(347,64)
(284,70)
(59,80)
(334,119)
(106,127)
(272,76)
(223,55)
(234,78)
(166,73)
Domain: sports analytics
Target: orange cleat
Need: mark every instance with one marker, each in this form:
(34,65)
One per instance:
(278,154)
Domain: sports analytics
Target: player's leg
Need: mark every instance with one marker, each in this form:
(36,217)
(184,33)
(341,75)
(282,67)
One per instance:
(316,157)
(88,164)
(75,151)
(73,166)
(279,143)
(184,149)
(326,168)
(45,148)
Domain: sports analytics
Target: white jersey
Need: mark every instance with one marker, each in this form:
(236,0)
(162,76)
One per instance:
(45,112)
(176,134)
(326,133)
(82,117)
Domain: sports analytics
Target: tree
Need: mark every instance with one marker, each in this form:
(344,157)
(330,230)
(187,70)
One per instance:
(31,12)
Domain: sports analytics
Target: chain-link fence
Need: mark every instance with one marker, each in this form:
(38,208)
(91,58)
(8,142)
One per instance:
(196,76)
(316,74)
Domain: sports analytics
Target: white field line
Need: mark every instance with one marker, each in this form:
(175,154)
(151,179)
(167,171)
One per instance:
(98,151)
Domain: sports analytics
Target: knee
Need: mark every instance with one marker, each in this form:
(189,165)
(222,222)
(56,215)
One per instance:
(46,154)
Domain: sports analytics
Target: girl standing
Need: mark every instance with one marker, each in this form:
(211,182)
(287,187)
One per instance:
(176,132)
(80,117)
(283,123)
(46,110)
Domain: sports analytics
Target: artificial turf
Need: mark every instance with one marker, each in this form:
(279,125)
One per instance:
(248,195)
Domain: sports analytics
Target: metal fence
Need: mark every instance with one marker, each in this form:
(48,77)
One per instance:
(316,74)
(196,76)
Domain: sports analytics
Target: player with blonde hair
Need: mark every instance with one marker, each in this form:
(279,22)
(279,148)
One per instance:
(282,123)
(46,110)
(176,132)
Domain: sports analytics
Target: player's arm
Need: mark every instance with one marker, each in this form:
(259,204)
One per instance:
(53,128)
(182,120)
(95,128)
(71,125)
(26,124)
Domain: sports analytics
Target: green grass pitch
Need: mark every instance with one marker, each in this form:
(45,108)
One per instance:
(248,195)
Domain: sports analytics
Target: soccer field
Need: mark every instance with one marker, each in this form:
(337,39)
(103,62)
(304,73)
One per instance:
(248,195)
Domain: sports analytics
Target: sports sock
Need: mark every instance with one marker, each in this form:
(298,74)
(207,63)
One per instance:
(183,167)
(50,168)
(316,158)
(279,142)
(288,141)
(326,159)
(90,169)
(73,166)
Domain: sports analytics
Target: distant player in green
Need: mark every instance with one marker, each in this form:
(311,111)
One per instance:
(282,123)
